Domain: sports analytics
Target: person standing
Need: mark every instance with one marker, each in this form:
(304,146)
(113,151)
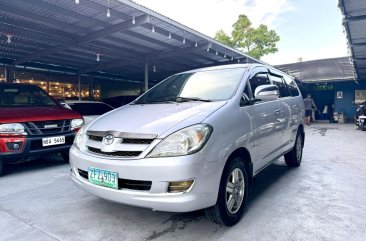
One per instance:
(309,104)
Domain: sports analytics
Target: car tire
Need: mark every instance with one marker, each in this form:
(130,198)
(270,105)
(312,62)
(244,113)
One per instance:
(362,126)
(65,156)
(232,197)
(293,158)
(1,167)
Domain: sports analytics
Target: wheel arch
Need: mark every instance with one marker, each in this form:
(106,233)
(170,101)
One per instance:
(245,155)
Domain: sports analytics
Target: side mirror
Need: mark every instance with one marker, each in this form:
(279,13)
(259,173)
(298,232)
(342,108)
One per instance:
(267,93)
(244,100)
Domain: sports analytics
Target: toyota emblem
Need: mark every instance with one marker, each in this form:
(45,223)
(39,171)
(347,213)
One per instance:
(108,139)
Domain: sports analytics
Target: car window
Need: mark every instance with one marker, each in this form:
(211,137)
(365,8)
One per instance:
(280,83)
(292,86)
(90,108)
(24,96)
(257,80)
(213,85)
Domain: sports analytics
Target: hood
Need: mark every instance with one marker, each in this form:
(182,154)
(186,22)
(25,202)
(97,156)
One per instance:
(154,118)
(37,113)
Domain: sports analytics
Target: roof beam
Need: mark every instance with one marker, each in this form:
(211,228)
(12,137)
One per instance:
(87,38)
(354,18)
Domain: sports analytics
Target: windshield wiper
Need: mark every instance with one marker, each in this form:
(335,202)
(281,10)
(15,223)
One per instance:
(187,99)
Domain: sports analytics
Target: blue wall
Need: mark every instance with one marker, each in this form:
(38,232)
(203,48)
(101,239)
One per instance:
(347,103)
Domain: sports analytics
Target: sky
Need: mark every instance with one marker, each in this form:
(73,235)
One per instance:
(309,29)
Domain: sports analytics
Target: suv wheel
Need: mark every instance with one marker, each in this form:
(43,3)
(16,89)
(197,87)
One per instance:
(293,158)
(232,197)
(65,156)
(1,167)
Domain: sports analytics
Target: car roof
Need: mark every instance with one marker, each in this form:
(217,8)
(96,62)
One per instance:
(227,66)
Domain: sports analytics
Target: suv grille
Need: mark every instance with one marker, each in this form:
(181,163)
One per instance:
(125,183)
(48,127)
(125,140)
(116,153)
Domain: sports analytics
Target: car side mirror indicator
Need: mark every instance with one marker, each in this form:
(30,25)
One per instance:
(267,93)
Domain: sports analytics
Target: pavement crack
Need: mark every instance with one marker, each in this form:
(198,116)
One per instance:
(29,225)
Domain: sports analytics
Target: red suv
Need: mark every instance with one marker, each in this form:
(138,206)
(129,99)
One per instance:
(32,124)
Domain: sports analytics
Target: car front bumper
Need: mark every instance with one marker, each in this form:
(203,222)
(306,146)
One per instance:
(160,171)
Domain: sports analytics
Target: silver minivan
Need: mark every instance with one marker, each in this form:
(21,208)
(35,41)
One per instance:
(194,141)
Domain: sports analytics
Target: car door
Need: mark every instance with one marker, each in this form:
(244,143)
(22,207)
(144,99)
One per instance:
(285,102)
(265,119)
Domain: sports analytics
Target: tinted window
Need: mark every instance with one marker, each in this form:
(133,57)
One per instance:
(24,96)
(90,108)
(292,86)
(284,92)
(257,80)
(207,85)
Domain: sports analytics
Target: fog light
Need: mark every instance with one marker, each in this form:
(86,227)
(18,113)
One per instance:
(181,186)
(14,146)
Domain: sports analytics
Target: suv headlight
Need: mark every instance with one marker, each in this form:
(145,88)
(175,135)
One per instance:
(76,123)
(12,129)
(78,141)
(183,142)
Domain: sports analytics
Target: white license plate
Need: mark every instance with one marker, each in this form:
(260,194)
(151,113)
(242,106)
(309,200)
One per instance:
(51,141)
(102,177)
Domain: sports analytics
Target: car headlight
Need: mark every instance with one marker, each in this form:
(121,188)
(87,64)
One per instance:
(183,142)
(76,123)
(78,141)
(12,129)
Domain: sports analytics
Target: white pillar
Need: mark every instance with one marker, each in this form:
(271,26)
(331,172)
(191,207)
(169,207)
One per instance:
(146,77)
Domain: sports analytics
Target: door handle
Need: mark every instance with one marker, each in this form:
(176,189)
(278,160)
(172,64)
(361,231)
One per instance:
(294,106)
(277,112)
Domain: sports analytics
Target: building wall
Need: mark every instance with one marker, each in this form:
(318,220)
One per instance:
(347,104)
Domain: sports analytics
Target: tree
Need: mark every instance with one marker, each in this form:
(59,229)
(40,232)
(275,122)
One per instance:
(255,42)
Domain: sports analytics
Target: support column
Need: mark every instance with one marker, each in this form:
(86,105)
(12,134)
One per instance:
(9,74)
(146,76)
(91,89)
(79,86)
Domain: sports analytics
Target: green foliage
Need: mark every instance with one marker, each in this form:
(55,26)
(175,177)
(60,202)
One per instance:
(255,42)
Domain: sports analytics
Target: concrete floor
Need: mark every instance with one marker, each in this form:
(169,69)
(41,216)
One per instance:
(324,199)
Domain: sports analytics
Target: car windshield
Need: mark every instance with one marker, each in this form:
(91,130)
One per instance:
(24,96)
(211,85)
(86,109)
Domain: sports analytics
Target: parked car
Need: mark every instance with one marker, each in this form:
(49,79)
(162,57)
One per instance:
(194,141)
(360,117)
(32,124)
(118,101)
(88,109)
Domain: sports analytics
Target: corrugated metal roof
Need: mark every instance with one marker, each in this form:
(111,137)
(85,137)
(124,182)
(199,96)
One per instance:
(61,32)
(322,70)
(354,21)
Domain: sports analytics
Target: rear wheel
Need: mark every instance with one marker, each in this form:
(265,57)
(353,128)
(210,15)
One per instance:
(65,156)
(232,197)
(293,158)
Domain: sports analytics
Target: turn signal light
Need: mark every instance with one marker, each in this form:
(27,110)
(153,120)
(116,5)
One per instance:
(181,186)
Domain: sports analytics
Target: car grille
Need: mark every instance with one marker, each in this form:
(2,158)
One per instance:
(125,140)
(116,153)
(125,183)
(55,127)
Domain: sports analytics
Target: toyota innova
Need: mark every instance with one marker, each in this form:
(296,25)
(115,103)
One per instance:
(194,141)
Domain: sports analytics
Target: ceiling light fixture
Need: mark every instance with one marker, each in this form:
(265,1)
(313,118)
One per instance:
(108,10)
(153,29)
(196,45)
(154,68)
(184,40)
(133,20)
(9,36)
(232,58)
(170,35)
(224,55)
(98,57)
(77,1)
(217,52)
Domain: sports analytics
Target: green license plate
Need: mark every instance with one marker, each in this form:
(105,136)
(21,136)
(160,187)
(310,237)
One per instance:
(103,178)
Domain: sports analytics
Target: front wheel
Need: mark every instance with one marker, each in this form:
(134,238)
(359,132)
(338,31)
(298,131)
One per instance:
(232,197)
(293,158)
(1,167)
